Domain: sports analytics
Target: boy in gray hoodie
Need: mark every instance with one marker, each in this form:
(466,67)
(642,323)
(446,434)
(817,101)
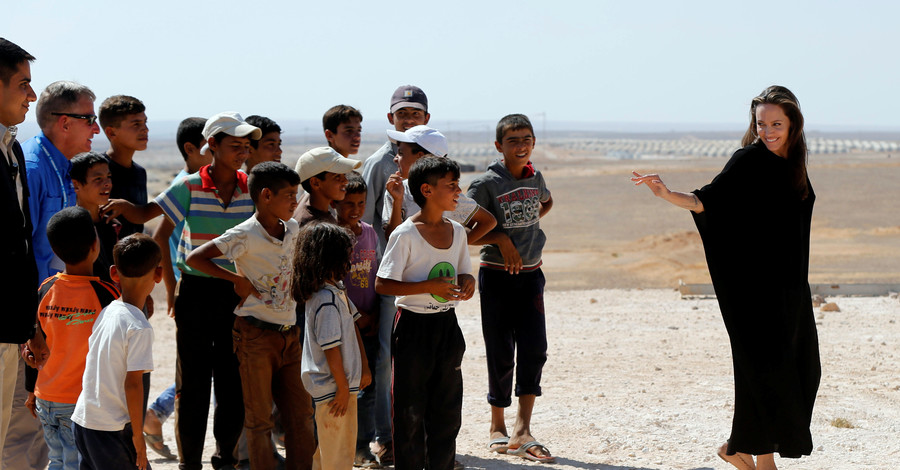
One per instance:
(512,285)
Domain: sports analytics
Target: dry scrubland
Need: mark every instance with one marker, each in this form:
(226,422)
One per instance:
(638,378)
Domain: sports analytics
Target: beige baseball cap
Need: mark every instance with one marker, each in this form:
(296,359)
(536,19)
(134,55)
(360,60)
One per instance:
(232,124)
(322,159)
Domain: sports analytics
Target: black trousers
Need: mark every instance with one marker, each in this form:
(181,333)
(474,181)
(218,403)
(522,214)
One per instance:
(427,389)
(515,332)
(102,450)
(204,318)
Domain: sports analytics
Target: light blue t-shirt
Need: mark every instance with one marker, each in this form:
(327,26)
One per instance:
(330,318)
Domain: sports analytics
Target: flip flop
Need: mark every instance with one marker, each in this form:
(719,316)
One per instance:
(523,451)
(499,445)
(165,452)
(735,459)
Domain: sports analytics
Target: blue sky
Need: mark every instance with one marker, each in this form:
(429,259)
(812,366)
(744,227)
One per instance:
(689,63)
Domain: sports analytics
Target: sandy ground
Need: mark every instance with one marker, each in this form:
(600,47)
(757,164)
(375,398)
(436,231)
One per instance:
(638,378)
(641,379)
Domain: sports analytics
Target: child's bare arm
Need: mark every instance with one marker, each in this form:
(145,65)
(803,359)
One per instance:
(395,188)
(161,236)
(134,399)
(366,378)
(545,207)
(479,225)
(201,260)
(136,214)
(439,286)
(338,406)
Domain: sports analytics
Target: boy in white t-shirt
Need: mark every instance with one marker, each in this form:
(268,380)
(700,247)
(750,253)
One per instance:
(412,145)
(266,338)
(119,352)
(426,266)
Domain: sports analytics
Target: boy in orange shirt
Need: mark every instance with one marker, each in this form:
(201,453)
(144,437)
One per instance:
(69,303)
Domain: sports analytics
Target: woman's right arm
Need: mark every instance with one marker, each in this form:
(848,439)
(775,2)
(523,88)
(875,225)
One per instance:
(687,201)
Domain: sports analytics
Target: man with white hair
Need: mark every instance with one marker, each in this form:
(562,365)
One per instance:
(65,114)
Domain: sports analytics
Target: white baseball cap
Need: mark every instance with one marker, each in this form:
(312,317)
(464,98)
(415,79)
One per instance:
(428,138)
(232,124)
(322,159)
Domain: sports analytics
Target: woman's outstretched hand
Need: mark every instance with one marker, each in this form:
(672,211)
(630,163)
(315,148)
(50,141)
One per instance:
(652,181)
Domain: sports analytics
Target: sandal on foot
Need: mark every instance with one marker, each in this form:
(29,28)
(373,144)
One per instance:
(525,451)
(499,445)
(164,451)
(736,459)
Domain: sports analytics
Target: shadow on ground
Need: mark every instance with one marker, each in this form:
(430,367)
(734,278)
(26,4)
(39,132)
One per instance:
(479,463)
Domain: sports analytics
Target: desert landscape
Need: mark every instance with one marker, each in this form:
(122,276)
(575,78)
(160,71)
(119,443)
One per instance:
(639,377)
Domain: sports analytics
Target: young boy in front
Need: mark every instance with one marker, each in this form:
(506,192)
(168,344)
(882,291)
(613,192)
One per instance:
(70,302)
(512,285)
(426,266)
(211,201)
(408,107)
(323,175)
(266,338)
(119,352)
(124,122)
(360,286)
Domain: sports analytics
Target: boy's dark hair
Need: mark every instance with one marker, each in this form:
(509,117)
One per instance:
(136,255)
(339,114)
(82,163)
(322,253)
(114,109)
(271,175)
(264,124)
(513,122)
(429,169)
(307,186)
(71,234)
(355,183)
(416,148)
(190,130)
(11,56)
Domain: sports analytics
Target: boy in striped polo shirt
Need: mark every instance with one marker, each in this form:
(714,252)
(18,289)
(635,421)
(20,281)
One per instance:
(211,201)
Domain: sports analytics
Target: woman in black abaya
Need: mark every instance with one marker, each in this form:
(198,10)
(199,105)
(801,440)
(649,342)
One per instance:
(754,220)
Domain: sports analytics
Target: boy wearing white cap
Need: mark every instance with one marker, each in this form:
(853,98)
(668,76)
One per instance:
(412,145)
(209,202)
(323,175)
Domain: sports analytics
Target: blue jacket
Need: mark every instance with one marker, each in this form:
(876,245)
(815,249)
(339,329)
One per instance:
(49,191)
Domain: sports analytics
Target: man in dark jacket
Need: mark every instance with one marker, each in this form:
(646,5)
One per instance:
(18,314)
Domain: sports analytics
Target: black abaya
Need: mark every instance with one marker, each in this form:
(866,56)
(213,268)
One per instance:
(755,232)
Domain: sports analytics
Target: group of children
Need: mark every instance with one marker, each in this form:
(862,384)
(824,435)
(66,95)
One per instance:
(335,304)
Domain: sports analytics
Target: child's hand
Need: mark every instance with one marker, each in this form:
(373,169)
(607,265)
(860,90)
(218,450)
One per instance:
(114,208)
(31,405)
(443,287)
(394,186)
(36,352)
(244,288)
(366,379)
(141,447)
(466,286)
(367,324)
(338,406)
(511,257)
